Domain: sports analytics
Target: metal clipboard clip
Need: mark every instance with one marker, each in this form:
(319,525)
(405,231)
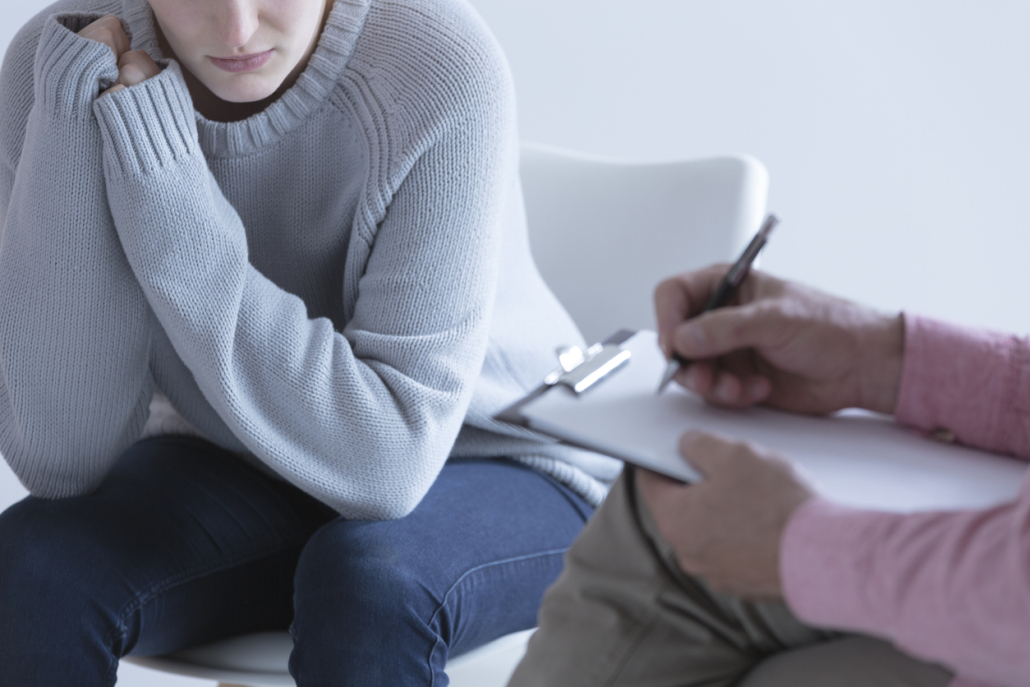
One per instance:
(580,370)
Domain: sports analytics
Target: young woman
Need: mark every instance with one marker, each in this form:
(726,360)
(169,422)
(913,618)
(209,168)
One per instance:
(264,281)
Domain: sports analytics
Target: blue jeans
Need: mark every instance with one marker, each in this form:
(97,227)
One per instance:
(184,544)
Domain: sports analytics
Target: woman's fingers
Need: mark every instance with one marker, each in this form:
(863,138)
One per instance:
(108,30)
(136,66)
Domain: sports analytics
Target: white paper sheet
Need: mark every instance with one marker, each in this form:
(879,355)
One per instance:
(855,458)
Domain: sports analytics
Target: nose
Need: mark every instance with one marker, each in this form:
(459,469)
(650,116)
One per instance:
(238,22)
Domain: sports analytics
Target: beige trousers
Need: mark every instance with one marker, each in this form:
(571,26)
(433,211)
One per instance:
(622,613)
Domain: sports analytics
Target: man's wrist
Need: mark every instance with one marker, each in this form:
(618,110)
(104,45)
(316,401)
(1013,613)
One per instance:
(883,352)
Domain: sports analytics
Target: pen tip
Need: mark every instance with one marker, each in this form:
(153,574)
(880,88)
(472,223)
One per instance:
(768,225)
(670,372)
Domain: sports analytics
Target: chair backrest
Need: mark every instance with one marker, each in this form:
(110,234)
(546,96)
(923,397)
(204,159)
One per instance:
(604,233)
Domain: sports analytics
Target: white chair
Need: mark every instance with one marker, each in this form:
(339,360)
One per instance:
(260,660)
(603,234)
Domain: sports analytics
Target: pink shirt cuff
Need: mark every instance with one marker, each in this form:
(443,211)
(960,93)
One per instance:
(975,384)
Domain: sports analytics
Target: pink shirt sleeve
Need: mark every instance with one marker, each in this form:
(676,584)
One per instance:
(948,587)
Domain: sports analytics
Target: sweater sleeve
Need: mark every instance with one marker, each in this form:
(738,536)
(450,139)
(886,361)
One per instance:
(951,587)
(362,419)
(74,379)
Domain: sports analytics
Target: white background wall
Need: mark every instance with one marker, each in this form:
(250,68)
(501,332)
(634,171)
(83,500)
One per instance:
(895,131)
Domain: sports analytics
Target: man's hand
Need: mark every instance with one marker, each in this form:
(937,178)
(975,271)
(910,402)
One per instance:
(780,344)
(727,528)
(134,66)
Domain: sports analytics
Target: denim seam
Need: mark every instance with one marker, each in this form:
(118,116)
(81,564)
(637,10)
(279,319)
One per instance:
(186,576)
(464,576)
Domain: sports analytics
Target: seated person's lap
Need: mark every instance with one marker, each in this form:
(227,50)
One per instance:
(184,544)
(623,613)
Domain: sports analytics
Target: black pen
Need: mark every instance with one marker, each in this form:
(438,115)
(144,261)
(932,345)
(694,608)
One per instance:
(727,287)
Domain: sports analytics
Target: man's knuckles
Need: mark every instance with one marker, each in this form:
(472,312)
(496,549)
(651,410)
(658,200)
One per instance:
(698,442)
(716,451)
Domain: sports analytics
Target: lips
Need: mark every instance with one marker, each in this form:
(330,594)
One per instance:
(242,63)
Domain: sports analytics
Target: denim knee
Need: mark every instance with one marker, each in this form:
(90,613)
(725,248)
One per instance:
(386,603)
(359,570)
(362,609)
(55,626)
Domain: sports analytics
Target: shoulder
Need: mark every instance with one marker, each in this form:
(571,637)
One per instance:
(432,58)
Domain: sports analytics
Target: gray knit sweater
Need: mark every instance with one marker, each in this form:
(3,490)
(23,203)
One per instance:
(338,288)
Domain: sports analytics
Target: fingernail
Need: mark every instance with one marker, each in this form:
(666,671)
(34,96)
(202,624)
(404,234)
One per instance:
(131,75)
(690,378)
(722,392)
(695,336)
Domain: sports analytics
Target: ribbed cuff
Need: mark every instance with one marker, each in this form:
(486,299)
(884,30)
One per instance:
(71,71)
(148,126)
(826,564)
(955,379)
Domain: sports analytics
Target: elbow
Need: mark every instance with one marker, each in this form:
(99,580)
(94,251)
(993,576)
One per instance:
(51,469)
(45,482)
(389,493)
(52,491)
(397,469)
(371,511)
(389,511)
(382,504)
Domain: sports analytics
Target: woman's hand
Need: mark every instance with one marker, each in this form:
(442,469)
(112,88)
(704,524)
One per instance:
(134,66)
(780,344)
(108,30)
(727,528)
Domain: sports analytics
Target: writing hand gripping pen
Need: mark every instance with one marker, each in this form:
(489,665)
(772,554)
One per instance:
(726,289)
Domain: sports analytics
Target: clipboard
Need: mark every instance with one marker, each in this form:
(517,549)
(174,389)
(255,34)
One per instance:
(604,400)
